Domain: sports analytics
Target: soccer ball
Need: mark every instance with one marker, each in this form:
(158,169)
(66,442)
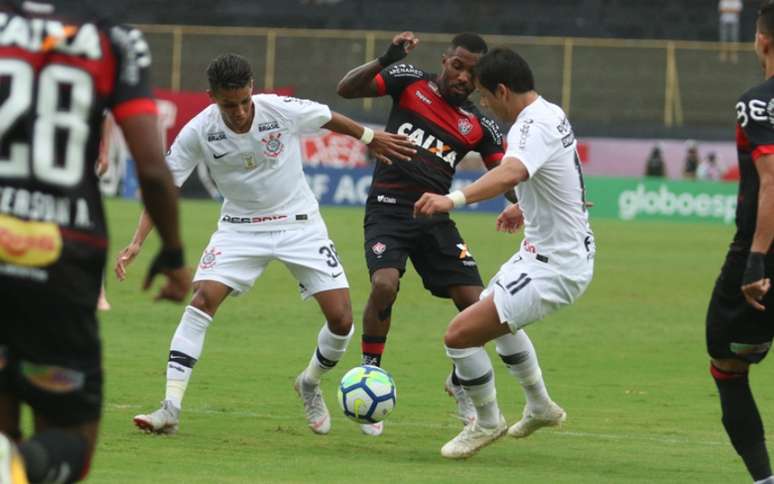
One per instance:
(367,394)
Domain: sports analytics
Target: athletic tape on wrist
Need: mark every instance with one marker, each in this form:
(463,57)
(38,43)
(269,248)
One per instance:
(755,270)
(367,136)
(457,198)
(394,53)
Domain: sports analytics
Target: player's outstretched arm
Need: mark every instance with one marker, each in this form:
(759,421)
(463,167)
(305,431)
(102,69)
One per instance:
(495,182)
(383,146)
(128,253)
(160,198)
(359,82)
(755,284)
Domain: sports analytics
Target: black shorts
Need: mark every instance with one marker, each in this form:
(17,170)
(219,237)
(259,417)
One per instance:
(734,328)
(435,247)
(51,357)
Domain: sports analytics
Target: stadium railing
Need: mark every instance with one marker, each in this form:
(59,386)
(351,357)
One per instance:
(597,81)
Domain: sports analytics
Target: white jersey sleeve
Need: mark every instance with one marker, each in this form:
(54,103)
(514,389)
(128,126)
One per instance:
(531,144)
(185,153)
(303,116)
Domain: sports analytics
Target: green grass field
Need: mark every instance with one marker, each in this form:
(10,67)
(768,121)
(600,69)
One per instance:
(627,362)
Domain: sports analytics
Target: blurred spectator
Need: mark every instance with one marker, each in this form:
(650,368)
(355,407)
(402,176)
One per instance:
(728,25)
(691,161)
(655,165)
(708,168)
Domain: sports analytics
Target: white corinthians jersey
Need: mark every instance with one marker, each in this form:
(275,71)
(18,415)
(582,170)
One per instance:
(555,219)
(260,172)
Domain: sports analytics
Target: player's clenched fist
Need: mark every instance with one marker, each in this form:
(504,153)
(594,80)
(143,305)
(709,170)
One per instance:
(399,48)
(432,203)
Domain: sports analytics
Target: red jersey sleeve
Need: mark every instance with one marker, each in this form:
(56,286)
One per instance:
(491,147)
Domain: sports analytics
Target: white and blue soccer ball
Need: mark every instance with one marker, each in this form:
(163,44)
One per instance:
(367,394)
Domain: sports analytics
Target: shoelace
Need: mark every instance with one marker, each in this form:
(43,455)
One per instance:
(314,403)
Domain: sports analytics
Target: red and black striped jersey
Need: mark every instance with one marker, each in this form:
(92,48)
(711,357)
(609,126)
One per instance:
(441,132)
(754,138)
(58,75)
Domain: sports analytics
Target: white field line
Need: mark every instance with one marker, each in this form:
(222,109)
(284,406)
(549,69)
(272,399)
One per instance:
(628,436)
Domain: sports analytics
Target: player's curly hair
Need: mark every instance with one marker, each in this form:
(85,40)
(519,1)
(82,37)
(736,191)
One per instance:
(229,71)
(504,66)
(471,42)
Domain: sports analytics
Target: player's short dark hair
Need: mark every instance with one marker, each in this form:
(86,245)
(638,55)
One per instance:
(504,66)
(766,17)
(471,42)
(229,71)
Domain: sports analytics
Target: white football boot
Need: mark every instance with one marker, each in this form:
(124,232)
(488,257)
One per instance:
(316,411)
(473,438)
(163,421)
(372,429)
(551,416)
(466,411)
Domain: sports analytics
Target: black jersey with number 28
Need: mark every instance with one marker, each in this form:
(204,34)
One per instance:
(57,77)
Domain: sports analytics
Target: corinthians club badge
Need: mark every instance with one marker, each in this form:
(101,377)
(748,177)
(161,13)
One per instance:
(272,146)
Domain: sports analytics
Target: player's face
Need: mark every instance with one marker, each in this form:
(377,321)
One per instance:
(236,107)
(456,79)
(494,101)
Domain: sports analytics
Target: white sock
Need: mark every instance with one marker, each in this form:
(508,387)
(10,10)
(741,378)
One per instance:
(184,352)
(519,356)
(330,349)
(768,480)
(475,373)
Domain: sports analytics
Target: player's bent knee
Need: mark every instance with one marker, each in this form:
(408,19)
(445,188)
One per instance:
(384,289)
(456,337)
(340,324)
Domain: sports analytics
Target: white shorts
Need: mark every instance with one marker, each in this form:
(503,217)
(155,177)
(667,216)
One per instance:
(237,259)
(527,290)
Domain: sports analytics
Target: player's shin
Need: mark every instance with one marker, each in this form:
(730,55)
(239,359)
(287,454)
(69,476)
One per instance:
(519,356)
(475,373)
(184,352)
(55,455)
(742,421)
(330,349)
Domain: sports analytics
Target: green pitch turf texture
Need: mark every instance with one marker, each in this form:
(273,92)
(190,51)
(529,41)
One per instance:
(627,362)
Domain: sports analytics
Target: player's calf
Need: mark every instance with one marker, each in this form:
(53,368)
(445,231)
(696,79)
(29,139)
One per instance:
(742,421)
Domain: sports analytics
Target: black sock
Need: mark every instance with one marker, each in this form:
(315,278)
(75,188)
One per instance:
(55,456)
(373,347)
(742,421)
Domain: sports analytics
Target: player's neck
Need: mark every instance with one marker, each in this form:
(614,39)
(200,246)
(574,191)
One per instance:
(519,103)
